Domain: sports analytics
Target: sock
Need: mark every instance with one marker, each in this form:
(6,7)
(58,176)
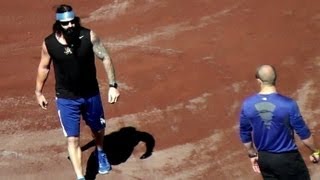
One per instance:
(80,177)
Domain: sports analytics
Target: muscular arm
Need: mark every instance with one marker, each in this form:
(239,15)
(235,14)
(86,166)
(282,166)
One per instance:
(101,52)
(246,138)
(246,132)
(43,70)
(310,143)
(301,128)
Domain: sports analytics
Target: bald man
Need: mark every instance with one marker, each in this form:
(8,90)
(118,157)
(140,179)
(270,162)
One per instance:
(268,121)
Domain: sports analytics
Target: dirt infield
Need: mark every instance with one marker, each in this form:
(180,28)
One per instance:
(183,69)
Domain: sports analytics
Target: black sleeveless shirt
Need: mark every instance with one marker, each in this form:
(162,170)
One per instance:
(75,70)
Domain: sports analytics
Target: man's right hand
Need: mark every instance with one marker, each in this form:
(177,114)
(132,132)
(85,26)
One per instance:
(42,101)
(254,164)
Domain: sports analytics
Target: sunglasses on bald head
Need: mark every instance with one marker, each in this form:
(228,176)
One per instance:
(66,23)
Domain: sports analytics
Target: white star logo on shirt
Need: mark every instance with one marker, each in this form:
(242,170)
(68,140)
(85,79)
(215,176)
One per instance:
(67,51)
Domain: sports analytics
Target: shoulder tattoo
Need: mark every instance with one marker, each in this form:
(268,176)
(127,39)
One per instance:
(99,49)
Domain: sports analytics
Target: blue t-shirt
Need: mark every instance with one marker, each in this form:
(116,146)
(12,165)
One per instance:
(270,120)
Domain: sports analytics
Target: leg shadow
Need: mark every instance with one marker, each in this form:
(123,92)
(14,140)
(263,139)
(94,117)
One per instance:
(119,146)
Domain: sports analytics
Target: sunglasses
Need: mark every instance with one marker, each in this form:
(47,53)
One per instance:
(65,23)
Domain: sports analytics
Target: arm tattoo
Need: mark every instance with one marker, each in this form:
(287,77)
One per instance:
(101,52)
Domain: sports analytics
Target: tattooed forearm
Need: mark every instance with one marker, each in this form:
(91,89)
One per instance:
(101,52)
(110,71)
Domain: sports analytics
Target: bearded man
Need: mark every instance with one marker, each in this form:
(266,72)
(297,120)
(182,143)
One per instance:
(71,49)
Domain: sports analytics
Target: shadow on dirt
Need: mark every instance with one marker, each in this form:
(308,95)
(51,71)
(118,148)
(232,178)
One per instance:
(119,146)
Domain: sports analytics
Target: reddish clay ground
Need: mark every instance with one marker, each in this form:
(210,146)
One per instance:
(183,69)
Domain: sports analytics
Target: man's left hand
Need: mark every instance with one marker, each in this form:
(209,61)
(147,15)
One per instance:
(315,156)
(113,95)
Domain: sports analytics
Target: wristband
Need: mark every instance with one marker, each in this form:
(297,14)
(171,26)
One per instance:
(316,153)
(252,155)
(114,85)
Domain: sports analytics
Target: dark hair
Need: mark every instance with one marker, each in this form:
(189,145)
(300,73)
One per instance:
(267,79)
(61,9)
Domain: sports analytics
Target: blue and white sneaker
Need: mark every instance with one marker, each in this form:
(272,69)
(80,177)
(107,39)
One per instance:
(104,165)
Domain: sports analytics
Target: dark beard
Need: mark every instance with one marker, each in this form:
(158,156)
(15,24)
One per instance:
(71,35)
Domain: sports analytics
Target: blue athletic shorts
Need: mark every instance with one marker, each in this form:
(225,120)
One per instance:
(71,110)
